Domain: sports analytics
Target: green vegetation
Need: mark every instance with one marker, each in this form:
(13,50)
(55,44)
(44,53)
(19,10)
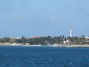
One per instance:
(46,40)
(4,40)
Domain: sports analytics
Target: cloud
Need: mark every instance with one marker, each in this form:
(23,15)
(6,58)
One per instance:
(60,20)
(78,9)
(55,19)
(52,18)
(19,18)
(18,0)
(81,11)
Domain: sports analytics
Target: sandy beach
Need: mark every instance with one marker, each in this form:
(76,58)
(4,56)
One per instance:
(58,45)
(55,45)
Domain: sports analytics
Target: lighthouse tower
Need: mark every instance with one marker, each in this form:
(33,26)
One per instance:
(71,32)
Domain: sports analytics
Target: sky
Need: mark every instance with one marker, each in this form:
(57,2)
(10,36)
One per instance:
(43,17)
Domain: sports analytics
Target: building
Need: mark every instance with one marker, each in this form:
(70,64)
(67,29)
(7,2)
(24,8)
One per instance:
(38,36)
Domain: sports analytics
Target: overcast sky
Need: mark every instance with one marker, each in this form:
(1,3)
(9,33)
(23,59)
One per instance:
(43,17)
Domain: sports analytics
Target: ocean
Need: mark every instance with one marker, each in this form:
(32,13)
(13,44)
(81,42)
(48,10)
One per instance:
(20,56)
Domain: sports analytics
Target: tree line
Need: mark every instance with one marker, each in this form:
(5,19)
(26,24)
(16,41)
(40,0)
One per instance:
(49,40)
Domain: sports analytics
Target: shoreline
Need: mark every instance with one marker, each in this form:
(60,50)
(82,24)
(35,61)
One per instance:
(70,46)
(56,45)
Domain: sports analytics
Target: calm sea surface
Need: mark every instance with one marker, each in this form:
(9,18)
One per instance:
(43,57)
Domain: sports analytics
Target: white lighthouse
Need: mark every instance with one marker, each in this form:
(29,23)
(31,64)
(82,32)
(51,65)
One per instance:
(71,32)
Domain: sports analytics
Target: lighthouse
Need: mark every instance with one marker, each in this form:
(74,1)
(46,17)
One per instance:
(71,32)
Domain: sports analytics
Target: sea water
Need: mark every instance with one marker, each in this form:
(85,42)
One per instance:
(12,56)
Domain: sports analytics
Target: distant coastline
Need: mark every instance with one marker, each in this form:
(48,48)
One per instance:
(55,45)
(70,45)
(60,41)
